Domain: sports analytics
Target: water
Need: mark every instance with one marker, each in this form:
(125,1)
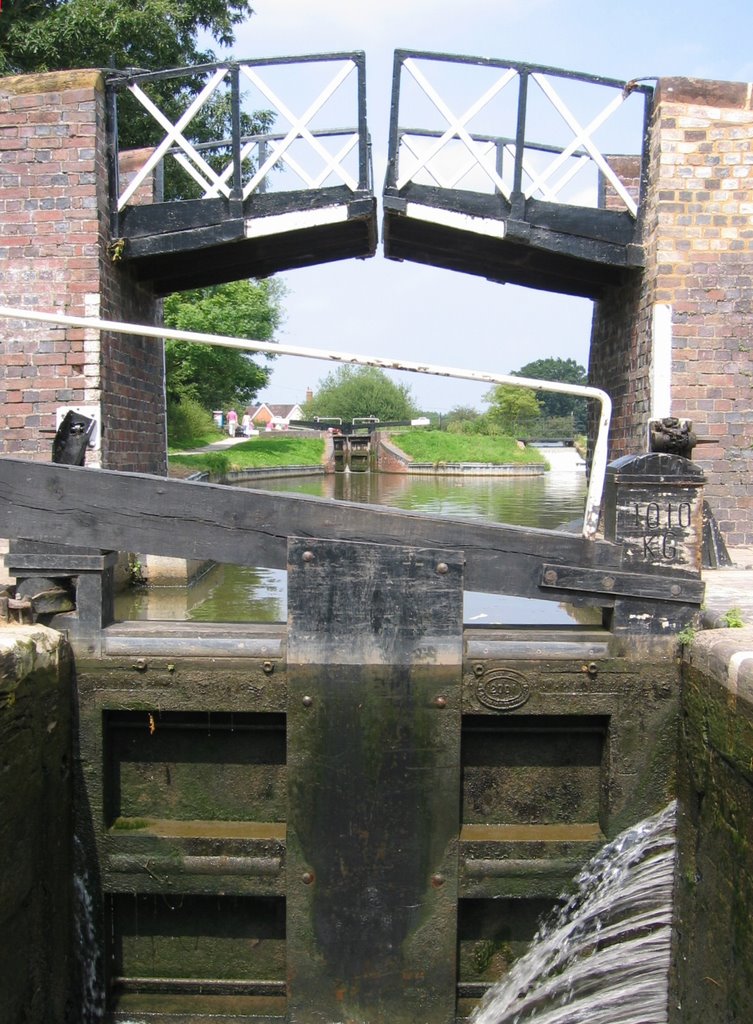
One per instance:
(603,958)
(244,594)
(88,962)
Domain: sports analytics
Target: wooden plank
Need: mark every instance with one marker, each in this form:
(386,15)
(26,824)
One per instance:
(186,519)
(545,260)
(685,589)
(373,777)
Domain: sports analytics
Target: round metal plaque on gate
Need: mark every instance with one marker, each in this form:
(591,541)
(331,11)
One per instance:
(503,690)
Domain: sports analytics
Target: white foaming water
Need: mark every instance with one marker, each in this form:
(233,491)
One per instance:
(92,996)
(604,957)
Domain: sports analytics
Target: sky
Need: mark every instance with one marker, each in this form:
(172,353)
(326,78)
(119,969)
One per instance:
(405,310)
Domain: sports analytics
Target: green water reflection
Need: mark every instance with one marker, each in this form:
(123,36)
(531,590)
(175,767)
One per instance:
(229,593)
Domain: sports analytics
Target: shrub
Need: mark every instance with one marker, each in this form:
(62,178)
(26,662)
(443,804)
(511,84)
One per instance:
(189,424)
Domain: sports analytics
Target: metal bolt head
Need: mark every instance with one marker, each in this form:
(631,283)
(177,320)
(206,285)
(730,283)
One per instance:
(307,701)
(268,667)
(478,669)
(441,702)
(608,582)
(550,576)
(140,665)
(437,881)
(307,877)
(442,568)
(308,556)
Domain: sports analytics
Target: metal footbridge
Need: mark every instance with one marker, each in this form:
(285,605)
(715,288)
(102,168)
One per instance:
(514,172)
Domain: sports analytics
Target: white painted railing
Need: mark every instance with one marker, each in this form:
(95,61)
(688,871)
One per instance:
(515,130)
(305,150)
(599,460)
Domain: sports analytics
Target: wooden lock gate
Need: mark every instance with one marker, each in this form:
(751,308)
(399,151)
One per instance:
(357,815)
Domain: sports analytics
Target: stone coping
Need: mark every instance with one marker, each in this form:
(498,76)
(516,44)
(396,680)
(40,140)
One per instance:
(25,650)
(470,469)
(726,656)
(52,81)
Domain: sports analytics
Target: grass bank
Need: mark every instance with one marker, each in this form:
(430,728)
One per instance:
(257,453)
(437,446)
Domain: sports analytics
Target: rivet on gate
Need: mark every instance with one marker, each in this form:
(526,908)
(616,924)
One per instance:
(608,582)
(442,568)
(308,556)
(268,667)
(550,576)
(437,881)
(441,702)
(140,664)
(307,877)
(593,668)
(478,669)
(307,701)
(675,589)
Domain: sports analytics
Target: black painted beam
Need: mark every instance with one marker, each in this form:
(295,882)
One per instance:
(102,509)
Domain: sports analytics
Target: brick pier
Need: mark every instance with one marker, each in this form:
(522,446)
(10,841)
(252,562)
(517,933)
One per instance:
(54,255)
(677,340)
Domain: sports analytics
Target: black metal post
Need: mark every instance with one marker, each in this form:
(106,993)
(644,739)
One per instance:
(517,199)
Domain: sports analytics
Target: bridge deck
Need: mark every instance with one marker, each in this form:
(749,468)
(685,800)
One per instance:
(195,243)
(477,192)
(575,251)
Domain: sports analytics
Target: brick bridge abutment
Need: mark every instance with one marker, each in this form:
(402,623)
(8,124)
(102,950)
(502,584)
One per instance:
(55,255)
(677,340)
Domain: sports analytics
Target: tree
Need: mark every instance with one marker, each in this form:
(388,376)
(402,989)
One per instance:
(553,405)
(512,408)
(220,377)
(53,35)
(148,35)
(461,419)
(351,392)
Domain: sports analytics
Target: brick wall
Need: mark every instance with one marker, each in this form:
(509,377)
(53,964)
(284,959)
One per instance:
(697,236)
(54,220)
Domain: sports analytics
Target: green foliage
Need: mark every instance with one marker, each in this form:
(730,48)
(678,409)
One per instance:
(458,416)
(686,636)
(513,409)
(437,446)
(260,452)
(216,377)
(351,392)
(552,427)
(129,824)
(52,35)
(733,618)
(55,35)
(216,463)
(566,371)
(190,425)
(135,571)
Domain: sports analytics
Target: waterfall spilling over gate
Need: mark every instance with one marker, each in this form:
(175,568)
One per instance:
(605,956)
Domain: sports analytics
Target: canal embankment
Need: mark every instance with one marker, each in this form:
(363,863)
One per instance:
(36,824)
(714,891)
(389,457)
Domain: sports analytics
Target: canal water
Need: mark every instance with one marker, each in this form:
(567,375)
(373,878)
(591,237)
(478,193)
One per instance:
(553,500)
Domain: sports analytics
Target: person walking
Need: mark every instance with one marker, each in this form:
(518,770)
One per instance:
(232,422)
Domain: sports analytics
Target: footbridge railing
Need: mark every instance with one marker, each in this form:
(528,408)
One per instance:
(263,148)
(513,151)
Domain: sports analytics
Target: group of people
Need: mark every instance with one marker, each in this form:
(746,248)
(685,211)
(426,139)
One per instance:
(232,423)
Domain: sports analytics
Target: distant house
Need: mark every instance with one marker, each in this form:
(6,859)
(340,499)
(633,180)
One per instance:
(268,416)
